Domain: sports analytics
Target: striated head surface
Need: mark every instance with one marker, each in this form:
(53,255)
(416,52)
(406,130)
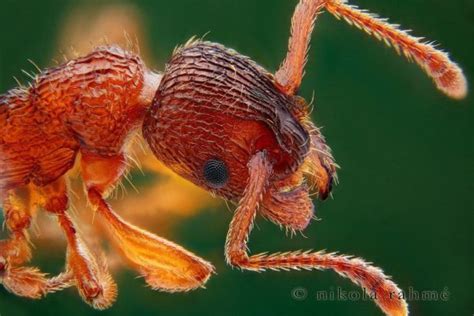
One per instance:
(213,110)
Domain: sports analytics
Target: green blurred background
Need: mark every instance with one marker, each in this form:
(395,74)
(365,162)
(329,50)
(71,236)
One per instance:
(406,184)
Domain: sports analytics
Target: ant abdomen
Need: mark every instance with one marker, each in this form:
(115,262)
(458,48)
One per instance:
(214,104)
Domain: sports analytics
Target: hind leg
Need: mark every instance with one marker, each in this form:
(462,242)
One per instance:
(17,212)
(165,265)
(91,277)
(19,206)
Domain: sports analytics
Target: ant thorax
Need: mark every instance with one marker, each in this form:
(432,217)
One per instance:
(216,118)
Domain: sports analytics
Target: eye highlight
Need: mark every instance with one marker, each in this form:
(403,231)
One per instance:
(215,173)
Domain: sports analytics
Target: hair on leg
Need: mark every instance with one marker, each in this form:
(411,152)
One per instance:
(25,281)
(165,265)
(90,275)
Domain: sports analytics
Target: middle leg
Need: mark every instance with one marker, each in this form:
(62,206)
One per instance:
(91,277)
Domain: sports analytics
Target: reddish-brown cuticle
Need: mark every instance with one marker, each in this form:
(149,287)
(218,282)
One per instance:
(216,118)
(91,103)
(215,103)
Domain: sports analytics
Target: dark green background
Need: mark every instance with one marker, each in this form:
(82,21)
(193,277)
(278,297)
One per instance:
(406,151)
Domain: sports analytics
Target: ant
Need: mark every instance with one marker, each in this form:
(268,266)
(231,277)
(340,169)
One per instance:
(213,116)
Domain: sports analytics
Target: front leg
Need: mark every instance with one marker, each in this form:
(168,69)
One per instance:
(165,265)
(386,292)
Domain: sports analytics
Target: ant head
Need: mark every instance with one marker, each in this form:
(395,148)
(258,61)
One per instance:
(214,109)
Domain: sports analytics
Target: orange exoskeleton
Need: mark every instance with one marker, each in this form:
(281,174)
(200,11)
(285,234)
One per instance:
(213,116)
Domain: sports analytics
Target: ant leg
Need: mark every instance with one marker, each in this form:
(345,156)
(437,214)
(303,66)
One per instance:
(29,282)
(17,211)
(165,265)
(385,292)
(291,71)
(91,277)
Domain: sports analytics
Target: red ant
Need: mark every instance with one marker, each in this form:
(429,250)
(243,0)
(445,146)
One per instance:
(213,116)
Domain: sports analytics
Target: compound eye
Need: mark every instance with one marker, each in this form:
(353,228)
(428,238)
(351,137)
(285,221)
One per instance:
(216,173)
